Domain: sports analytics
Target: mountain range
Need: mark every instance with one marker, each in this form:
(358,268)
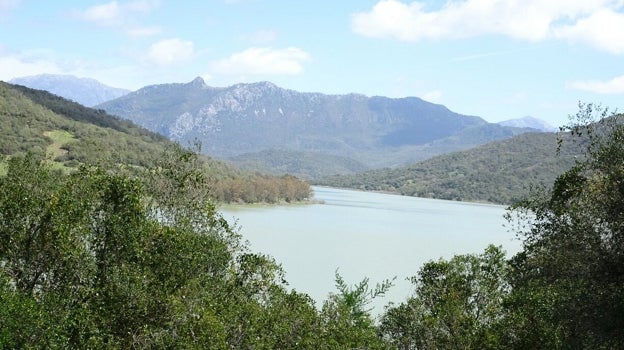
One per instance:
(88,92)
(262,127)
(252,121)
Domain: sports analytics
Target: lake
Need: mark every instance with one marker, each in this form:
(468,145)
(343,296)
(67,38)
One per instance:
(365,234)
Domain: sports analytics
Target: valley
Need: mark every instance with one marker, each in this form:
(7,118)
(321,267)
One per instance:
(136,229)
(406,146)
(303,175)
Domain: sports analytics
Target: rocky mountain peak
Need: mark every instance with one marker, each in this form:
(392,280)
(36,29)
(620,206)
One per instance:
(198,82)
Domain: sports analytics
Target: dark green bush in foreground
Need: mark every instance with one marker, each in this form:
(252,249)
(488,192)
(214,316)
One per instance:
(97,259)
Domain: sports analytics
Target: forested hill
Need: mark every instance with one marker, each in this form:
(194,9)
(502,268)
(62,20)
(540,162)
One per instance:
(42,123)
(69,134)
(498,172)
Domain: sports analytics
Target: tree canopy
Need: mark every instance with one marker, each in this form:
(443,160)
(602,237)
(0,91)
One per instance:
(100,259)
(568,282)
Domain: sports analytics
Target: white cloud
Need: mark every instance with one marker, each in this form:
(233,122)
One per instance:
(613,86)
(125,74)
(170,51)
(589,21)
(259,60)
(108,14)
(603,29)
(120,16)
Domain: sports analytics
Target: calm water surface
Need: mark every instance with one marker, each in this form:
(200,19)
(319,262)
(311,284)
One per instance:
(365,234)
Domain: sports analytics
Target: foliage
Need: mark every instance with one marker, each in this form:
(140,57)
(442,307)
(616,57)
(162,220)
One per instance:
(458,304)
(568,282)
(347,322)
(100,259)
(91,260)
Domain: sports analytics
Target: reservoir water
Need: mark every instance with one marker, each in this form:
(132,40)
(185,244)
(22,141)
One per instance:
(364,234)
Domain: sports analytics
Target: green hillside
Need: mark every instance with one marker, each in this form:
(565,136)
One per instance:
(68,134)
(498,172)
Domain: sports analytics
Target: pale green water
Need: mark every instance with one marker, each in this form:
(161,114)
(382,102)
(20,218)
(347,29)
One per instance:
(368,235)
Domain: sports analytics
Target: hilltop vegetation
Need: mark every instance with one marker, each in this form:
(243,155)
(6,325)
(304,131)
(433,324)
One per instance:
(498,172)
(29,115)
(69,134)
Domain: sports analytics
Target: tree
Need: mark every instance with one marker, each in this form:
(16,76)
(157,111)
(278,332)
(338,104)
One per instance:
(88,261)
(457,304)
(568,282)
(346,319)
(102,259)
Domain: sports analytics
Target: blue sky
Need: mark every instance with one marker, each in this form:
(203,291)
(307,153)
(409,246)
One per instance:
(497,59)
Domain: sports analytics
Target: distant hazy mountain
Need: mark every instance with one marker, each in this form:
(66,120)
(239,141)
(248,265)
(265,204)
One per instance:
(529,122)
(249,118)
(86,91)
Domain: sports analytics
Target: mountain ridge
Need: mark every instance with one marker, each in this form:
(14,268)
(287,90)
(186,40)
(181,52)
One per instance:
(253,117)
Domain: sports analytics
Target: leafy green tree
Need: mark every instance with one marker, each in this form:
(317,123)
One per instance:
(457,304)
(101,259)
(568,282)
(90,264)
(346,316)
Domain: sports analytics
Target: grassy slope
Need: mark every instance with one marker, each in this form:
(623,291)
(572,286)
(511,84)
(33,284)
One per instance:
(28,126)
